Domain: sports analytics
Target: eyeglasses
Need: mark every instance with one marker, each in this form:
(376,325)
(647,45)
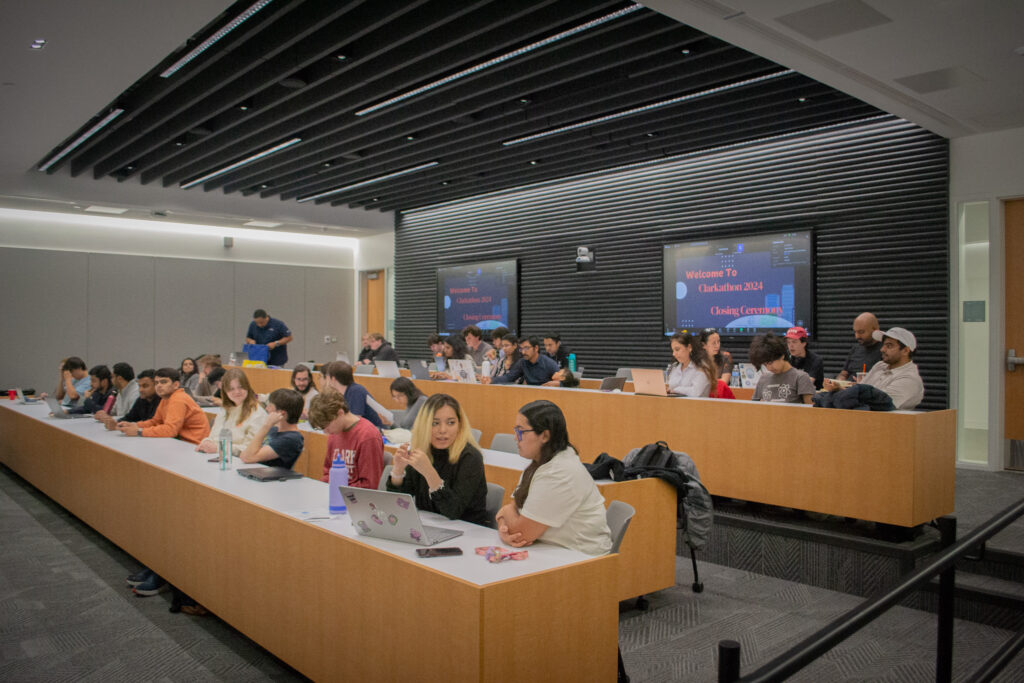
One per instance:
(519,431)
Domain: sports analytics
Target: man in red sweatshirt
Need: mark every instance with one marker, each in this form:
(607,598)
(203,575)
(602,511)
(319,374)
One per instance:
(177,416)
(354,437)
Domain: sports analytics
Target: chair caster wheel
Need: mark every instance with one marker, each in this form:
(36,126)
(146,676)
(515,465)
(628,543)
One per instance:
(698,587)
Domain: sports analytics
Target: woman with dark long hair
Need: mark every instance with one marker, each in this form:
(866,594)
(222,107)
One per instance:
(711,342)
(693,374)
(556,500)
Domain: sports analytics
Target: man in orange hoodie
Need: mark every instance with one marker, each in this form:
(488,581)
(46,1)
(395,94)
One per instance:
(177,416)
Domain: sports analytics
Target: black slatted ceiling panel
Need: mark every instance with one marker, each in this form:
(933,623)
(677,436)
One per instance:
(875,193)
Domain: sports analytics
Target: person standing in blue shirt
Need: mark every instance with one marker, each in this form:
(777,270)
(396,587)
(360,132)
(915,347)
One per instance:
(270,331)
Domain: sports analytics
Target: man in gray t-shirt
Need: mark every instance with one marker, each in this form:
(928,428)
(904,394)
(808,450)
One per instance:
(780,382)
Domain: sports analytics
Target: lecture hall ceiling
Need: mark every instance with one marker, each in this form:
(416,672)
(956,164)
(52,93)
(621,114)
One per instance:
(393,105)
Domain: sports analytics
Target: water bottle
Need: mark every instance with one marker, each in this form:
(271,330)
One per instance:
(440,363)
(572,363)
(232,359)
(485,368)
(736,377)
(109,403)
(338,477)
(224,448)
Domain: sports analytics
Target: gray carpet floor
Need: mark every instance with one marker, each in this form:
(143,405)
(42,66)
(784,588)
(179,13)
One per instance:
(66,615)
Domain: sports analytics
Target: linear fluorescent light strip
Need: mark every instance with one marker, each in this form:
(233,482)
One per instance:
(371,181)
(498,60)
(224,30)
(243,162)
(646,108)
(82,138)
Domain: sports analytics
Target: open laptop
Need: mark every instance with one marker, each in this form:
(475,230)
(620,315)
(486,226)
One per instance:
(649,382)
(60,412)
(25,400)
(384,514)
(387,368)
(419,369)
(269,473)
(462,370)
(613,383)
(748,375)
(363,369)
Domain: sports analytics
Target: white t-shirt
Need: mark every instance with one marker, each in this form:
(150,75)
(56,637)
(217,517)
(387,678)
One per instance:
(688,381)
(241,434)
(903,384)
(563,496)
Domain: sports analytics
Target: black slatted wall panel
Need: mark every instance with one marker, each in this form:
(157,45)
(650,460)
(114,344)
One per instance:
(875,194)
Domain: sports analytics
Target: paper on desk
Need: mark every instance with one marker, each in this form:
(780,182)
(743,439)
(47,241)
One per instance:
(313,515)
(381,410)
(398,436)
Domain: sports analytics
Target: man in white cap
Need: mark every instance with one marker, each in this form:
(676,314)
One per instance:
(896,374)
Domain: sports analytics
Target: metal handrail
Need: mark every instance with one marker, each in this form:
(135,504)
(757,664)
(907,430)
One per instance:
(841,628)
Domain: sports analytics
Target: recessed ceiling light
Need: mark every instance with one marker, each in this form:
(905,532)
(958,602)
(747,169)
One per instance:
(525,100)
(341,58)
(534,162)
(38,44)
(801,99)
(445,182)
(326,164)
(105,209)
(685,51)
(261,224)
(410,137)
(652,135)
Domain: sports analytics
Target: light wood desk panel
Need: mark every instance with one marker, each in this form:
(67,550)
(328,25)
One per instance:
(313,597)
(896,467)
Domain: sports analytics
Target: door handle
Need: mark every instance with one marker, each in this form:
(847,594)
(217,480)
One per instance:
(1013,360)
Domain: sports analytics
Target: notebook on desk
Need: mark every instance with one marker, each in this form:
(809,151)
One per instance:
(385,514)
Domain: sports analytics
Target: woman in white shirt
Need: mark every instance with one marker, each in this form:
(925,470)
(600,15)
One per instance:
(556,500)
(302,382)
(693,373)
(240,412)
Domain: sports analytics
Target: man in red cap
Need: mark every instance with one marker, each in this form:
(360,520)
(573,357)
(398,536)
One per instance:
(802,358)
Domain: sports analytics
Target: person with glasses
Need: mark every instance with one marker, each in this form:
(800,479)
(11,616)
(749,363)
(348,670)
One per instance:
(442,467)
(409,399)
(533,368)
(556,500)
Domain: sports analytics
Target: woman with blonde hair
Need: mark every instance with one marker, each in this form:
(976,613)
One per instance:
(442,467)
(240,412)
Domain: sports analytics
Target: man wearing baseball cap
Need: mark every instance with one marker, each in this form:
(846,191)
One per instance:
(896,374)
(802,358)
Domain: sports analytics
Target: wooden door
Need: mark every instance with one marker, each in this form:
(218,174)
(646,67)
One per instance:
(1014,234)
(375,302)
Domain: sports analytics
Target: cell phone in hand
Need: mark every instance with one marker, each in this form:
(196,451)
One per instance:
(438,552)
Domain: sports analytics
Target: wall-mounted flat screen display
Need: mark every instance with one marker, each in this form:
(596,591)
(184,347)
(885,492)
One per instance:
(740,286)
(481,294)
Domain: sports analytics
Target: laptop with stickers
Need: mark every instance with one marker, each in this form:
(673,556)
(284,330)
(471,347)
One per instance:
(385,514)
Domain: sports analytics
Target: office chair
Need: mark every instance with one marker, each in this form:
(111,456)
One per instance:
(383,483)
(625,372)
(495,496)
(619,515)
(476,434)
(506,443)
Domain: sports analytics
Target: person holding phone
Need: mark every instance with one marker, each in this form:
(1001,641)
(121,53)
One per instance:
(442,467)
(556,500)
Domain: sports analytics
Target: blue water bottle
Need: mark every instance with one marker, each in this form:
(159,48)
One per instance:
(572,363)
(338,477)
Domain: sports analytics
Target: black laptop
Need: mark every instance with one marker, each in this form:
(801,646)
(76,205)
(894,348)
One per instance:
(269,473)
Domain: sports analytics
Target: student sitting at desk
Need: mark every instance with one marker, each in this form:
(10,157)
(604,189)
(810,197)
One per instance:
(302,382)
(241,413)
(556,500)
(177,416)
(711,342)
(782,383)
(187,369)
(453,346)
(74,382)
(532,368)
(409,399)
(127,393)
(144,407)
(511,355)
(693,374)
(337,376)
(277,441)
(442,467)
(101,388)
(353,437)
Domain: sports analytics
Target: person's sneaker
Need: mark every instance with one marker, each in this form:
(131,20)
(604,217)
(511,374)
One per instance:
(139,577)
(151,586)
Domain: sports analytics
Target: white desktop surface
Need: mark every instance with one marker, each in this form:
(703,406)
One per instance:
(295,496)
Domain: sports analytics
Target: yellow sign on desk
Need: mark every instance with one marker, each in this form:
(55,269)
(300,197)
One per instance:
(253,364)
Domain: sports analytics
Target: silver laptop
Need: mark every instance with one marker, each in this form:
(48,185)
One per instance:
(363,369)
(613,383)
(60,412)
(384,514)
(24,400)
(419,369)
(748,375)
(462,370)
(387,368)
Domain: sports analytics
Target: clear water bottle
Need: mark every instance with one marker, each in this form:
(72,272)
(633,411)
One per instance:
(439,361)
(485,368)
(572,363)
(338,477)
(736,381)
(224,448)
